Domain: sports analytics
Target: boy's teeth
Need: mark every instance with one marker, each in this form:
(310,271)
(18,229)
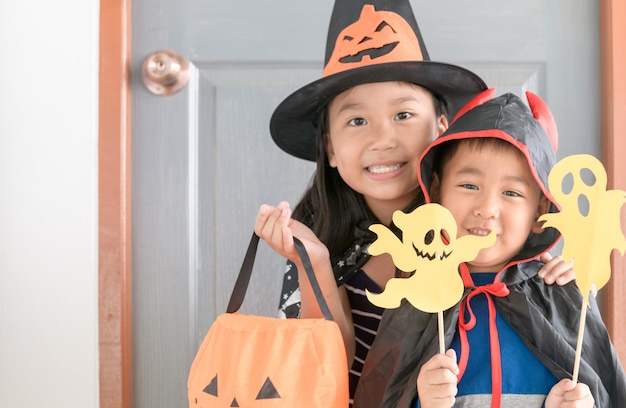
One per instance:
(383,169)
(476,232)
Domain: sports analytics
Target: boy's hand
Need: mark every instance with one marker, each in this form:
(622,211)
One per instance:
(436,382)
(568,394)
(556,270)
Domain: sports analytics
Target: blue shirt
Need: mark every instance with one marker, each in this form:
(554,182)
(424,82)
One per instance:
(525,380)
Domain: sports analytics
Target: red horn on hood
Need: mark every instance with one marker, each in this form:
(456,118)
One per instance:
(542,113)
(479,99)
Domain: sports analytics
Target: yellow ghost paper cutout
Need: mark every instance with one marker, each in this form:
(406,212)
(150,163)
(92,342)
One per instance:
(430,248)
(589,219)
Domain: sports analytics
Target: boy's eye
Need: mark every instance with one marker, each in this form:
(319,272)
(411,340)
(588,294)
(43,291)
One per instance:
(403,115)
(512,194)
(357,122)
(469,186)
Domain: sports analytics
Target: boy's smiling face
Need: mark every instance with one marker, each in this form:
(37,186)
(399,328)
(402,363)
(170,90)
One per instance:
(377,132)
(491,187)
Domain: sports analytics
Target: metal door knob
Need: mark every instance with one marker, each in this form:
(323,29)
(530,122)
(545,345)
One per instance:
(165,72)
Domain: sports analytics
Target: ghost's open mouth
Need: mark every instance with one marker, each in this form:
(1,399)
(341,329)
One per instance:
(440,255)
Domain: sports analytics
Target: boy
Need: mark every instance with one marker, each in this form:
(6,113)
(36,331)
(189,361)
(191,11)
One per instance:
(515,336)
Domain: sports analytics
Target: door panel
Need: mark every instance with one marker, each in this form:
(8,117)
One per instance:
(203,159)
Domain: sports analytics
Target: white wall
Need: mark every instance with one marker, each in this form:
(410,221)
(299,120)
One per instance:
(48,203)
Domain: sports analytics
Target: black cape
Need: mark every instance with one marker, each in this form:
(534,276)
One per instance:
(546,317)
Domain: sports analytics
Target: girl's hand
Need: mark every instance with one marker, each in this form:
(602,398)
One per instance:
(556,270)
(272,224)
(436,381)
(568,394)
(277,228)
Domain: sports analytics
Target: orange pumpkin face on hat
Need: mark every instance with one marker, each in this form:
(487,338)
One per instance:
(368,41)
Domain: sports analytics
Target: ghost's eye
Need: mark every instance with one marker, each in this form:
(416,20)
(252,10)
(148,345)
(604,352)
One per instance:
(430,235)
(445,237)
(587,177)
(567,183)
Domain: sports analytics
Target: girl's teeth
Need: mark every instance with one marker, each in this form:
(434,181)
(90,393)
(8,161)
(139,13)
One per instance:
(383,169)
(476,232)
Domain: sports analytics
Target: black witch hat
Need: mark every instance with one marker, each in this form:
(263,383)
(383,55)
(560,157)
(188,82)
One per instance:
(368,41)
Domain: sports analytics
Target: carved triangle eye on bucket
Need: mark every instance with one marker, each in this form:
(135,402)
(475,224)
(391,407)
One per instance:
(211,389)
(268,391)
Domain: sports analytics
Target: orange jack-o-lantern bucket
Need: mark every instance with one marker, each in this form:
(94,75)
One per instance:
(256,361)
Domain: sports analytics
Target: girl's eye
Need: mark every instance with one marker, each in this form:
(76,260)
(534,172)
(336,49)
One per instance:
(469,186)
(512,194)
(403,115)
(357,122)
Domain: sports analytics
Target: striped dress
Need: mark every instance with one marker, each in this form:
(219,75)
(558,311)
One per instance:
(366,318)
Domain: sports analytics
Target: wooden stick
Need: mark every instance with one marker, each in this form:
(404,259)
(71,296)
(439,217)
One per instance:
(581,332)
(442,345)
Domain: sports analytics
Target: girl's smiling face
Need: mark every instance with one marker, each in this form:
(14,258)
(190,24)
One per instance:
(491,187)
(377,132)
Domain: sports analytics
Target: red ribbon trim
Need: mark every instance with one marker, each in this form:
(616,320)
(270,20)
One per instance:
(498,289)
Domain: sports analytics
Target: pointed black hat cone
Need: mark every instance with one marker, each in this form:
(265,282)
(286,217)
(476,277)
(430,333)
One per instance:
(348,11)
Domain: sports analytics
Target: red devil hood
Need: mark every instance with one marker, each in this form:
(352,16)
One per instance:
(508,118)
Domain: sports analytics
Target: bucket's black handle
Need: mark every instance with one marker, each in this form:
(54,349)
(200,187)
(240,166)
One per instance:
(241,285)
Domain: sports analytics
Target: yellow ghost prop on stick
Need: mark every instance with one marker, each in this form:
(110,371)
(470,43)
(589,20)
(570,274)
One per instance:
(589,222)
(430,248)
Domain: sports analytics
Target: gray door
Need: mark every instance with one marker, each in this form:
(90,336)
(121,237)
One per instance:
(203,160)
